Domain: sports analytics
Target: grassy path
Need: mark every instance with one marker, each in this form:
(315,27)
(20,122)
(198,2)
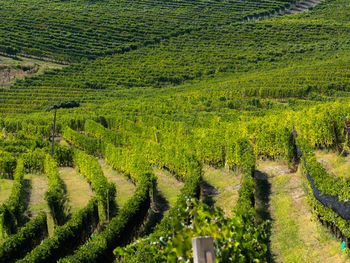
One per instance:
(296,235)
(5,192)
(337,165)
(78,190)
(168,186)
(125,188)
(37,188)
(168,189)
(222,187)
(5,189)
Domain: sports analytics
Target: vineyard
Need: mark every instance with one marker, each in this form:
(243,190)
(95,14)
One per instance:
(127,128)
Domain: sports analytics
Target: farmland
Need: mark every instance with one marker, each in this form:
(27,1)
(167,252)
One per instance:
(175,119)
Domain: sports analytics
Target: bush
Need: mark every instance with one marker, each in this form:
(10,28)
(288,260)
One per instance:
(55,195)
(66,238)
(11,212)
(28,237)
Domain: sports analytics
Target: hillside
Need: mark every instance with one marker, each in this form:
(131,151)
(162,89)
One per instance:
(221,118)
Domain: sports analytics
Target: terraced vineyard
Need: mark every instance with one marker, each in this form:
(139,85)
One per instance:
(80,29)
(174,119)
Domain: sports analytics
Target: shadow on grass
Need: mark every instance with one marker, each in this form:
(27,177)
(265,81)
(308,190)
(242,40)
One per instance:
(27,187)
(66,213)
(207,193)
(155,215)
(262,200)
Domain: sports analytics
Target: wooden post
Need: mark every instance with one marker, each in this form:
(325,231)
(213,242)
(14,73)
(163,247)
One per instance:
(157,138)
(203,250)
(153,197)
(337,148)
(107,206)
(53,133)
(347,128)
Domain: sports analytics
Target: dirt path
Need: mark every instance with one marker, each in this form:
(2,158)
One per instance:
(302,6)
(220,188)
(11,69)
(78,190)
(296,236)
(125,188)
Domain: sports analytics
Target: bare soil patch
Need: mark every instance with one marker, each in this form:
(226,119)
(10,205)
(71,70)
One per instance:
(12,69)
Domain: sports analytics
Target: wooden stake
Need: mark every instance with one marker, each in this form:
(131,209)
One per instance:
(203,250)
(347,128)
(107,206)
(53,133)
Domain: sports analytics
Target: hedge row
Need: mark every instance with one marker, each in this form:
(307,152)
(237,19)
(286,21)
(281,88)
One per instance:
(34,161)
(326,214)
(63,155)
(245,160)
(190,171)
(28,237)
(7,165)
(333,190)
(55,195)
(11,211)
(66,238)
(323,181)
(90,145)
(178,160)
(121,228)
(108,136)
(89,167)
(126,162)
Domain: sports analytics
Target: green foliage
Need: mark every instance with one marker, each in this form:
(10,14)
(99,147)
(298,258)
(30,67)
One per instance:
(7,165)
(11,211)
(28,237)
(108,136)
(91,145)
(63,155)
(235,239)
(326,214)
(63,105)
(34,161)
(119,230)
(247,60)
(56,194)
(89,167)
(175,93)
(59,31)
(66,238)
(327,184)
(322,179)
(210,147)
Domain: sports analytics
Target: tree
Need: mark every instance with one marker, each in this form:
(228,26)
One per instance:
(61,105)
